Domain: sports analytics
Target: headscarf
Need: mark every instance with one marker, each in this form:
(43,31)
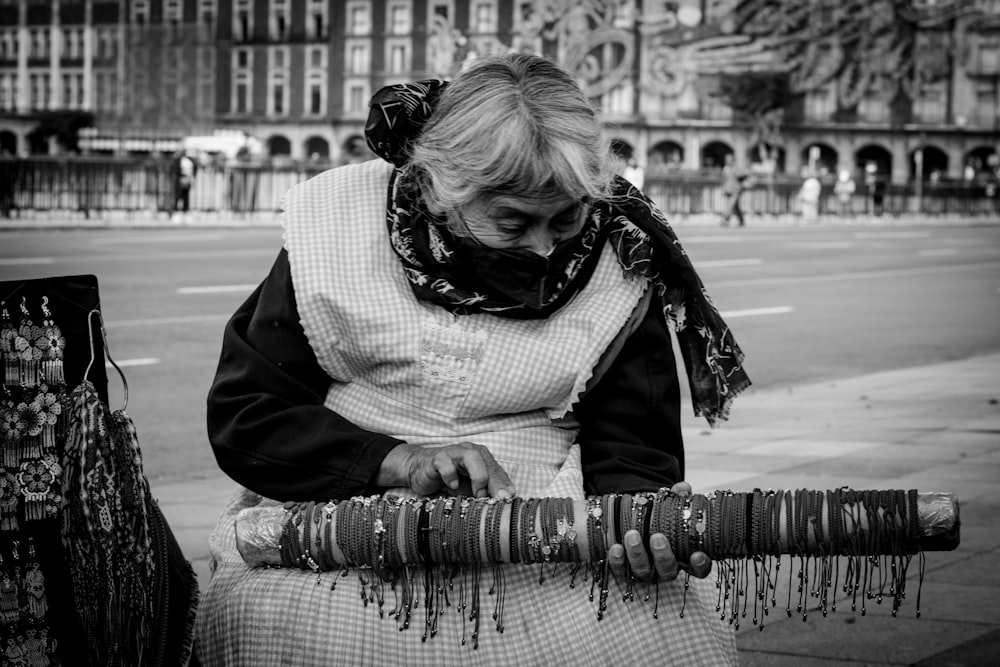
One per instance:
(643,241)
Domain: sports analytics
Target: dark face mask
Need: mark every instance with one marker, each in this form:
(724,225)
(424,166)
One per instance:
(521,275)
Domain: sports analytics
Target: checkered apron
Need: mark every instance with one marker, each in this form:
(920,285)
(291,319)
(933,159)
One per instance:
(415,371)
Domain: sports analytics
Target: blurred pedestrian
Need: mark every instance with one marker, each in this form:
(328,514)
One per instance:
(809,198)
(875,182)
(734,182)
(844,190)
(634,174)
(185,169)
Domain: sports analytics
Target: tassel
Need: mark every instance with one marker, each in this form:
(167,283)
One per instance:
(9,492)
(52,343)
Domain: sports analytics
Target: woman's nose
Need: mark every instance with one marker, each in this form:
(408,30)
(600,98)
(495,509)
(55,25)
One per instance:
(541,240)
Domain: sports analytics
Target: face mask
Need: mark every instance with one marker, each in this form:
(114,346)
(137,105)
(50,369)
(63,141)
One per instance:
(520,274)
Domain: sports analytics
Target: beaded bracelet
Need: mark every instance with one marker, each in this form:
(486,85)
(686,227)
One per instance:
(515,517)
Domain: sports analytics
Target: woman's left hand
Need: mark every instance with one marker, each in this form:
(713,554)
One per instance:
(664,562)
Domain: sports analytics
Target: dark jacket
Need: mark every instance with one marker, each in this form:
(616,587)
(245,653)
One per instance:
(271,432)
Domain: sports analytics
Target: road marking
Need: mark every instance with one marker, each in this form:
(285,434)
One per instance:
(823,245)
(23,261)
(216,289)
(126,363)
(157,321)
(719,263)
(891,235)
(936,252)
(750,312)
(860,275)
(185,256)
(711,239)
(165,238)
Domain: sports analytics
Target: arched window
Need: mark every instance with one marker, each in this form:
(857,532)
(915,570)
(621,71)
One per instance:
(667,154)
(279,145)
(317,148)
(934,163)
(820,157)
(876,155)
(713,154)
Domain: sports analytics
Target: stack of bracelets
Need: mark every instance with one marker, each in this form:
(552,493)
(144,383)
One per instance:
(388,537)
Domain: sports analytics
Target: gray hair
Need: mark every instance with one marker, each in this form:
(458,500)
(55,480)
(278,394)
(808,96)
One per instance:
(511,124)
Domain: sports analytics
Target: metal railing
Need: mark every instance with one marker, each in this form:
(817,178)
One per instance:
(94,185)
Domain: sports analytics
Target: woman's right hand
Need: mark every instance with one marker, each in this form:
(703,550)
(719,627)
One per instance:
(464,468)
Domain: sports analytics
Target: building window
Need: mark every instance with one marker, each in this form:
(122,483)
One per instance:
(357,98)
(315,102)
(277,97)
(173,11)
(484,18)
(8,91)
(279,58)
(40,94)
(442,9)
(987,111)
(317,21)
(39,44)
(242,88)
(359,18)
(279,20)
(242,58)
(399,18)
(107,43)
(8,45)
(316,57)
(398,59)
(72,43)
(820,104)
(72,90)
(618,100)
(140,12)
(358,60)
(929,106)
(989,58)
(207,10)
(873,107)
(205,92)
(242,21)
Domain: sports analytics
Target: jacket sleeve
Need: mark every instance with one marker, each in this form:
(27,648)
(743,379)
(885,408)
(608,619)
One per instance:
(630,423)
(267,423)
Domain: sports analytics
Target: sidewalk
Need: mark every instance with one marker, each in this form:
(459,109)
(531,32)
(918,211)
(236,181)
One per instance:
(931,428)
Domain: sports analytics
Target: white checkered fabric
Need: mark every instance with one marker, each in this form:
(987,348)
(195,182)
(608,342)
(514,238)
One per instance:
(417,372)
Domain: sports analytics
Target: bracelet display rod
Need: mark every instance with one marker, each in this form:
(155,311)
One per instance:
(883,529)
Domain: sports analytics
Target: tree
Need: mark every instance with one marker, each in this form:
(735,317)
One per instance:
(761,96)
(65,126)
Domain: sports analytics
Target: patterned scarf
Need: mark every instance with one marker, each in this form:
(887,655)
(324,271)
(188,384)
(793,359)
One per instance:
(641,237)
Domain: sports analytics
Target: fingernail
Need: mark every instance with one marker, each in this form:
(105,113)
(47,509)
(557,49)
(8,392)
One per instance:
(658,541)
(502,494)
(633,539)
(699,559)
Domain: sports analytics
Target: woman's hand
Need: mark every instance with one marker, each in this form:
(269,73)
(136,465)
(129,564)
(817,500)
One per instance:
(665,564)
(464,468)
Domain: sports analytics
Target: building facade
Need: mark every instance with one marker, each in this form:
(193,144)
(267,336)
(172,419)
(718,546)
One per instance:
(911,87)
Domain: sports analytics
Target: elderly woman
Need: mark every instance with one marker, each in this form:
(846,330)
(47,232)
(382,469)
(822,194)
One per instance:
(486,313)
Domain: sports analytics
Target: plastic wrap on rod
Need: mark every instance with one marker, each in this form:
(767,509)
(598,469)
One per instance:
(763,523)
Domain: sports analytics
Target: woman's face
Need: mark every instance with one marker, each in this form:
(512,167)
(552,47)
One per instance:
(535,222)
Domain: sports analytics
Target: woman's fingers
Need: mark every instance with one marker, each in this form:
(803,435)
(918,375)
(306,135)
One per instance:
(663,557)
(463,467)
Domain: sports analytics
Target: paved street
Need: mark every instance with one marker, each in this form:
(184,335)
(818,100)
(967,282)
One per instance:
(875,352)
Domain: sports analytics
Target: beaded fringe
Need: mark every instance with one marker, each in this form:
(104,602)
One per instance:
(432,553)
